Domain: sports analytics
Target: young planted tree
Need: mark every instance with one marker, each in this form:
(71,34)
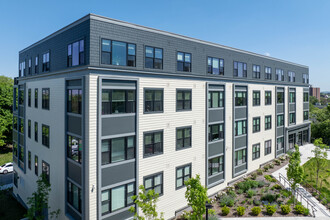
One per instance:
(196,195)
(295,172)
(320,157)
(6,112)
(146,201)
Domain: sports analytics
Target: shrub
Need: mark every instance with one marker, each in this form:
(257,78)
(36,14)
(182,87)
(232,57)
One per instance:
(324,201)
(232,194)
(270,209)
(285,209)
(250,202)
(286,193)
(256,210)
(277,162)
(282,159)
(240,191)
(314,194)
(225,210)
(306,211)
(256,202)
(271,165)
(276,186)
(266,168)
(259,172)
(269,197)
(247,184)
(254,176)
(261,183)
(240,210)
(226,200)
(299,209)
(185,215)
(250,193)
(270,178)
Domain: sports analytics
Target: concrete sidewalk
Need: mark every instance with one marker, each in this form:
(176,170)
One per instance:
(321,211)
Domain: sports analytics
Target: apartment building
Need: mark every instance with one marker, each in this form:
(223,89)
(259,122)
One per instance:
(102,106)
(315,91)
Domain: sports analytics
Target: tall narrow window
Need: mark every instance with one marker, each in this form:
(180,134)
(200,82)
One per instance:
(240,69)
(184,62)
(280,143)
(279,74)
(131,48)
(306,97)
(29,97)
(215,66)
(256,98)
(255,151)
(36,131)
(74,149)
(182,174)
(280,97)
(45,98)
(29,128)
(36,98)
(215,165)
(216,99)
(183,138)
(153,100)
(268,97)
(30,67)
(154,182)
(36,165)
(292,118)
(216,132)
(45,62)
(240,157)
(118,101)
(240,127)
(240,98)
(153,58)
(29,160)
(36,65)
(74,196)
(46,171)
(153,143)
(268,122)
(256,71)
(183,100)
(256,124)
(291,76)
(268,147)
(280,120)
(305,78)
(45,135)
(74,101)
(106,52)
(292,97)
(76,54)
(268,73)
(306,116)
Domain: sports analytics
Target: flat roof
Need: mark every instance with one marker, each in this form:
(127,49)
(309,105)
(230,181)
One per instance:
(153,30)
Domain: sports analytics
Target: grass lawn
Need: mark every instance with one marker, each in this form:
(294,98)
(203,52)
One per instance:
(6,155)
(10,208)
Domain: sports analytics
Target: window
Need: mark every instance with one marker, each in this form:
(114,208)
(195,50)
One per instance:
(305,78)
(46,171)
(21,125)
(21,156)
(153,100)
(215,66)
(76,55)
(268,73)
(182,174)
(240,69)
(240,98)
(256,71)
(153,58)
(184,62)
(255,151)
(306,116)
(74,196)
(36,65)
(292,76)
(30,67)
(29,97)
(36,165)
(29,128)
(36,98)
(74,149)
(256,124)
(45,135)
(74,101)
(256,98)
(15,151)
(306,97)
(22,69)
(36,131)
(45,98)
(280,143)
(118,149)
(15,123)
(183,100)
(268,122)
(216,99)
(29,160)
(279,75)
(240,157)
(280,120)
(216,132)
(240,127)
(117,198)
(45,62)
(183,138)
(215,165)
(280,97)
(118,53)
(292,97)
(118,101)
(268,147)
(268,97)
(154,182)
(21,97)
(15,179)
(292,117)
(153,143)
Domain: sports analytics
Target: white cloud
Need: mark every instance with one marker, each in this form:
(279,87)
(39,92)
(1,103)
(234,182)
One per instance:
(267,54)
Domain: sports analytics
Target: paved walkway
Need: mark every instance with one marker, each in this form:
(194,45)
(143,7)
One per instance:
(306,152)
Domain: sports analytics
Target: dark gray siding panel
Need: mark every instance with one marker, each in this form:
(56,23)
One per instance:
(240,168)
(76,82)
(21,111)
(279,131)
(74,172)
(280,152)
(306,106)
(280,109)
(74,124)
(240,113)
(121,215)
(240,142)
(216,178)
(15,135)
(215,148)
(118,125)
(116,174)
(218,87)
(73,214)
(292,107)
(216,115)
(108,82)
(21,139)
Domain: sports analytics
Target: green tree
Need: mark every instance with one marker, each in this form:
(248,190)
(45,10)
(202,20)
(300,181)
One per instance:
(313,100)
(146,201)
(295,172)
(6,113)
(196,195)
(320,157)
(38,202)
(321,124)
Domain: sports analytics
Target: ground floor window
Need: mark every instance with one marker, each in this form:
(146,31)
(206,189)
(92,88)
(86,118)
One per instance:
(74,196)
(183,173)
(154,182)
(280,143)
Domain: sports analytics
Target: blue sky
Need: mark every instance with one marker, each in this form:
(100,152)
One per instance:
(293,30)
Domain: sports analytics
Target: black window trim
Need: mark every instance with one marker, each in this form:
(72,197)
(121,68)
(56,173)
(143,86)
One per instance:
(269,149)
(253,154)
(127,102)
(81,63)
(270,123)
(153,185)
(270,74)
(222,100)
(268,91)
(176,174)
(256,128)
(144,100)
(144,61)
(258,74)
(176,138)
(152,132)
(42,59)
(221,73)
(176,99)
(42,170)
(45,104)
(244,71)
(220,124)
(42,136)
(223,165)
(258,100)
(184,61)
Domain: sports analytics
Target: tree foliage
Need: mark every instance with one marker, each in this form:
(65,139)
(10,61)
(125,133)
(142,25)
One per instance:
(295,172)
(321,123)
(146,201)
(6,115)
(320,157)
(196,195)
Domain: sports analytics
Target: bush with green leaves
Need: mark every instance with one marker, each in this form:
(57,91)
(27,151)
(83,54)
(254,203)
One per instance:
(266,168)
(254,176)
(250,193)
(299,209)
(270,197)
(286,193)
(270,178)
(276,186)
(277,162)
(240,210)
(225,210)
(256,202)
(271,209)
(232,193)
(226,200)
(247,184)
(306,212)
(259,172)
(271,165)
(240,191)
(261,183)
(256,210)
(285,209)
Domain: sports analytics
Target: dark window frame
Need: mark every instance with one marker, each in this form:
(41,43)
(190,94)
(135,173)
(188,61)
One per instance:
(268,148)
(186,65)
(256,127)
(128,56)
(292,120)
(306,97)
(306,116)
(108,154)
(70,196)
(29,128)
(36,97)
(79,156)
(153,102)
(183,138)
(129,105)
(244,127)
(153,186)
(46,63)
(256,71)
(280,98)
(279,74)
(241,101)
(268,97)
(291,76)
(29,97)
(45,173)
(152,144)
(45,98)
(74,107)
(211,68)
(280,143)
(280,123)
(292,97)
(221,165)
(36,64)
(256,154)
(268,72)
(36,131)
(36,165)
(184,100)
(244,69)
(183,175)
(244,157)
(256,98)
(45,137)
(153,58)
(268,122)
(220,133)
(221,99)
(29,160)
(81,53)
